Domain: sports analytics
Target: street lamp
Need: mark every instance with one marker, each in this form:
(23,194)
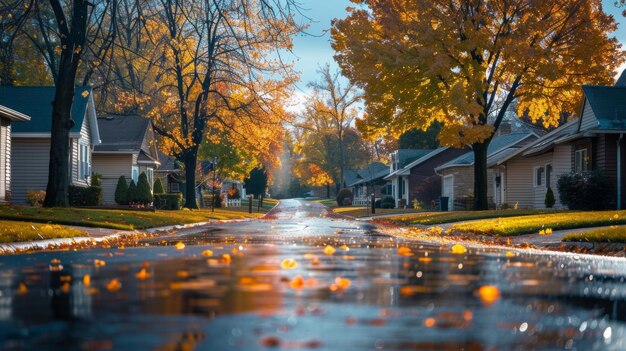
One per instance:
(214,180)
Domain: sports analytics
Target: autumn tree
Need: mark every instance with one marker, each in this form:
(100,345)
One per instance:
(422,61)
(211,70)
(13,16)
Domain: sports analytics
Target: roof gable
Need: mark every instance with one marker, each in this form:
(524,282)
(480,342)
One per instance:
(36,102)
(608,105)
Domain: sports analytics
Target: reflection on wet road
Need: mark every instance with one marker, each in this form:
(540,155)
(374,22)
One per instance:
(301,279)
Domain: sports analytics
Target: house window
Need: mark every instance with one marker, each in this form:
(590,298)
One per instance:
(150,175)
(548,175)
(581,161)
(538,175)
(84,162)
(135,174)
(174,188)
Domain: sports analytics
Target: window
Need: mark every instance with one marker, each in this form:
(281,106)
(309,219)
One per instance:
(548,175)
(150,177)
(135,174)
(538,176)
(174,188)
(581,161)
(84,162)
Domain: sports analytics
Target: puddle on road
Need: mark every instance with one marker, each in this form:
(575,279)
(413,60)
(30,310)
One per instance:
(368,295)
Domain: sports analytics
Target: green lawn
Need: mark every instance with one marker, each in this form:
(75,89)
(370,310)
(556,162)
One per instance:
(14,231)
(361,211)
(120,219)
(430,218)
(604,235)
(536,223)
(326,202)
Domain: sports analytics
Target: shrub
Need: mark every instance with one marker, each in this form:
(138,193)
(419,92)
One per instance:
(84,196)
(171,202)
(388,202)
(121,191)
(342,195)
(144,193)
(585,191)
(158,187)
(35,197)
(131,196)
(549,201)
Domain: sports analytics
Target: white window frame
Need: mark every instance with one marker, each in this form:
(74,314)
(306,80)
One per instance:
(84,162)
(134,174)
(537,180)
(583,160)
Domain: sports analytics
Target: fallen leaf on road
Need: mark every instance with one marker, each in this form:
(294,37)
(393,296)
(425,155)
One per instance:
(114,285)
(289,263)
(488,294)
(458,249)
(142,274)
(179,245)
(207,253)
(329,250)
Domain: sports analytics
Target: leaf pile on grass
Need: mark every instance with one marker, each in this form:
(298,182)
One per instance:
(603,235)
(536,223)
(13,231)
(116,219)
(429,218)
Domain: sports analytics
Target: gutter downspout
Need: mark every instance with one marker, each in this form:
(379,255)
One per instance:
(619,171)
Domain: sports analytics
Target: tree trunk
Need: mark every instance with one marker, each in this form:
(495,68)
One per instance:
(480,175)
(62,123)
(190,158)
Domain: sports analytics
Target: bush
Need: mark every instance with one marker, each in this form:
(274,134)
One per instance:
(342,196)
(84,196)
(35,197)
(144,193)
(171,202)
(158,187)
(549,201)
(585,191)
(388,202)
(131,196)
(121,191)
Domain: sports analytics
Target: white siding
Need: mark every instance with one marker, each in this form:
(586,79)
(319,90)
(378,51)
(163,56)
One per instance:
(539,192)
(5,158)
(562,164)
(29,169)
(589,119)
(519,182)
(85,139)
(111,167)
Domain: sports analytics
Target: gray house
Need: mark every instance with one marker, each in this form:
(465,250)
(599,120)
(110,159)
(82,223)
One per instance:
(31,140)
(128,149)
(6,117)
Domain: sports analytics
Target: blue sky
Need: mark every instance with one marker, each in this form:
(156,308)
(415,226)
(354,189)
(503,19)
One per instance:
(314,50)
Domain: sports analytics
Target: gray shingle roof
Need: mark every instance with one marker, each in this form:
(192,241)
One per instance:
(373,171)
(608,104)
(121,133)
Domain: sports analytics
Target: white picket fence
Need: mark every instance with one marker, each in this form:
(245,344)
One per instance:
(232,203)
(361,201)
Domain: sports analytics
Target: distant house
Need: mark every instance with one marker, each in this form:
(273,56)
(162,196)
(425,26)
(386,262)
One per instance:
(458,174)
(422,183)
(6,117)
(594,141)
(128,149)
(170,174)
(31,140)
(370,180)
(399,183)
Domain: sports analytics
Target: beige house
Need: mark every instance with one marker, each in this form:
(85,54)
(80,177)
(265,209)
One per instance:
(6,117)
(128,149)
(457,175)
(31,140)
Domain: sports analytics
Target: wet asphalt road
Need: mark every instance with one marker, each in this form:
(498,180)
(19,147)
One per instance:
(281,288)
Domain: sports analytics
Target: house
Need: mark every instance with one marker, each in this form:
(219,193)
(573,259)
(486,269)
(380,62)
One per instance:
(31,140)
(170,173)
(399,183)
(6,117)
(422,183)
(457,175)
(128,149)
(594,141)
(369,180)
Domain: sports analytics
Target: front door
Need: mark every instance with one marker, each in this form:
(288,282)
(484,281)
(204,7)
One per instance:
(448,190)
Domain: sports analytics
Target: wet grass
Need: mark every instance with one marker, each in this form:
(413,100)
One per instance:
(120,219)
(429,218)
(326,202)
(603,235)
(537,223)
(361,211)
(15,231)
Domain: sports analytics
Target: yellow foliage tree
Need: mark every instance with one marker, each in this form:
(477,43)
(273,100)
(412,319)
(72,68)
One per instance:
(463,62)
